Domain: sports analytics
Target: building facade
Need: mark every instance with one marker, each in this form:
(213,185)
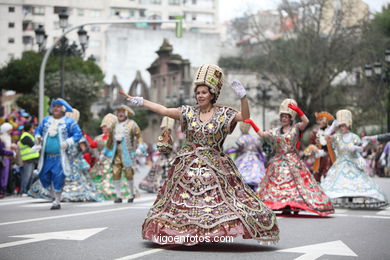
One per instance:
(19,19)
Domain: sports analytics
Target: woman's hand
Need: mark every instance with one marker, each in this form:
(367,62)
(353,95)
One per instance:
(238,88)
(134,101)
(296,109)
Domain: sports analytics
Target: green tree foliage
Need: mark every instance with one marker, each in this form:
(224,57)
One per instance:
(382,21)
(80,91)
(21,75)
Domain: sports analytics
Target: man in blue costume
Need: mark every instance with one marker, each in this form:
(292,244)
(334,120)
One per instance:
(57,133)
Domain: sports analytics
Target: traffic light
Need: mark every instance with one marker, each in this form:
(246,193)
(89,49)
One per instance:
(179,26)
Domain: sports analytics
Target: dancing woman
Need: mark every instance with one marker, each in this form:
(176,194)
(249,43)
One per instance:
(288,184)
(204,195)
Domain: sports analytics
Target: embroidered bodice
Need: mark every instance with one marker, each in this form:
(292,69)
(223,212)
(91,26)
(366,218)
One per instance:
(211,133)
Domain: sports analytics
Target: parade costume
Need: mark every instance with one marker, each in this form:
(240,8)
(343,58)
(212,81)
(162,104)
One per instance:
(325,156)
(250,159)
(288,183)
(160,168)
(6,160)
(101,173)
(54,162)
(205,195)
(348,184)
(121,150)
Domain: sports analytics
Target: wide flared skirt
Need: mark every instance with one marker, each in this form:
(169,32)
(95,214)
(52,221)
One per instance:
(288,183)
(204,196)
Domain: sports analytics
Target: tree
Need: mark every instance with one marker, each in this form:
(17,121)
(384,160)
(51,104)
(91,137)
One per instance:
(315,44)
(21,75)
(81,90)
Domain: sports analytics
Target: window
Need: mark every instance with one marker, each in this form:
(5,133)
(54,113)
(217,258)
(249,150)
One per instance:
(142,12)
(11,25)
(93,13)
(11,56)
(39,10)
(11,9)
(27,40)
(27,9)
(28,26)
(174,2)
(59,9)
(194,2)
(194,17)
(80,12)
(11,40)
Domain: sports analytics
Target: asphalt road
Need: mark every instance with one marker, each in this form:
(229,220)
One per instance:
(104,230)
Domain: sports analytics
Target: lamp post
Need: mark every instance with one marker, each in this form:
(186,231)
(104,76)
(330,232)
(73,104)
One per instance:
(260,97)
(64,48)
(179,27)
(376,74)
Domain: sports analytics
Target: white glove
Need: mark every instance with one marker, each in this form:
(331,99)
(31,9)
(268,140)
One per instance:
(36,147)
(320,153)
(355,148)
(238,89)
(136,101)
(332,128)
(64,145)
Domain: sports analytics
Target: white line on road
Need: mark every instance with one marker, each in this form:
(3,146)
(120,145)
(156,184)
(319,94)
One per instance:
(70,215)
(149,252)
(21,201)
(384,212)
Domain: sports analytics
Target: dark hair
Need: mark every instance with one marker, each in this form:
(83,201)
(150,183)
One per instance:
(27,126)
(214,100)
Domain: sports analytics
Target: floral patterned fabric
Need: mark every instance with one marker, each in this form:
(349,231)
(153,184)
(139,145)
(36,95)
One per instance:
(348,183)
(287,181)
(204,194)
(101,174)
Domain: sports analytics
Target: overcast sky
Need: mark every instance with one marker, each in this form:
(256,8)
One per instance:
(234,8)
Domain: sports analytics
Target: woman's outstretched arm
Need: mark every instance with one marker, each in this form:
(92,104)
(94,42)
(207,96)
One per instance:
(152,106)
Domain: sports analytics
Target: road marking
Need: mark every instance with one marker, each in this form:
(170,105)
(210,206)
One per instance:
(70,215)
(110,202)
(384,212)
(149,252)
(315,251)
(79,235)
(21,201)
(361,216)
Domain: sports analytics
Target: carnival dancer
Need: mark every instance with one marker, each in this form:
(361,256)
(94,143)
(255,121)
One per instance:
(324,155)
(57,133)
(122,148)
(159,171)
(288,184)
(250,160)
(204,195)
(101,173)
(7,151)
(348,184)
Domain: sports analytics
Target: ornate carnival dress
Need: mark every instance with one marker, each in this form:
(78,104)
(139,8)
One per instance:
(101,173)
(205,195)
(287,181)
(250,161)
(348,183)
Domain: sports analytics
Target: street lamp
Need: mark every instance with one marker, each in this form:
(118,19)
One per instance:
(40,36)
(63,19)
(64,48)
(382,76)
(261,97)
